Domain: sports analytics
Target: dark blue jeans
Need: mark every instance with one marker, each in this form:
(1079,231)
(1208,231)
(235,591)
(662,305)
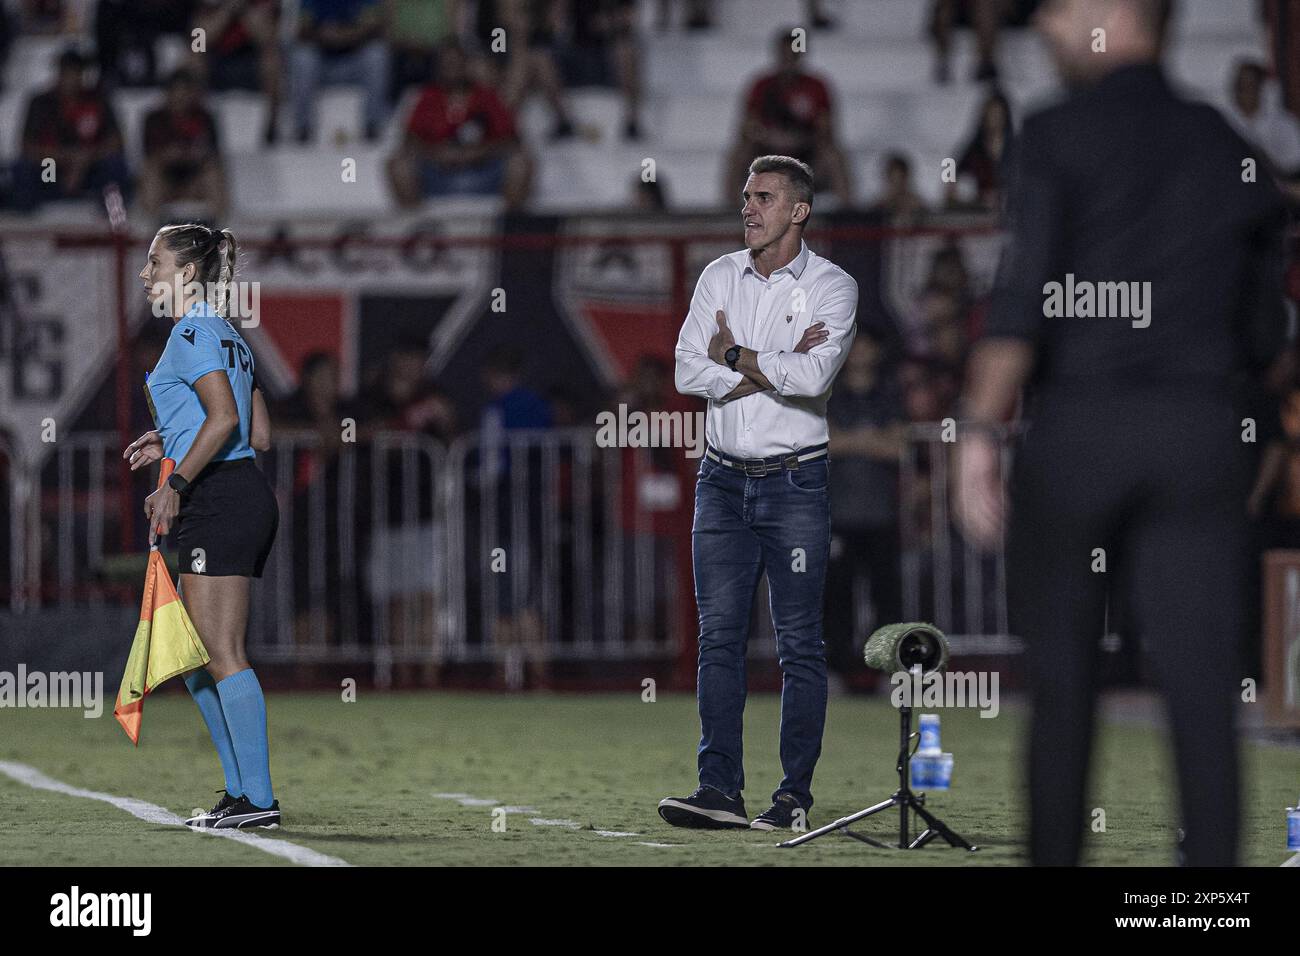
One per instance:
(779,523)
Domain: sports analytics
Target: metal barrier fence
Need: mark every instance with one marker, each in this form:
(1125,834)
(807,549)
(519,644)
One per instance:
(559,552)
(510,548)
(515,548)
(962,589)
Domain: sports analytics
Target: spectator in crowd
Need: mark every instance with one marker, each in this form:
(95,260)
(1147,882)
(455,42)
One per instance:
(242,51)
(867,431)
(898,203)
(126,32)
(648,195)
(1262,121)
(72,125)
(460,140)
(987,17)
(416,29)
(654,489)
(981,166)
(789,112)
(513,405)
(339,41)
(182,154)
(604,50)
(527,63)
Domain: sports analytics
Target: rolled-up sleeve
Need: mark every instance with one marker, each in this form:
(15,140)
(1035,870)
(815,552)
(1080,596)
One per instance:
(811,373)
(697,374)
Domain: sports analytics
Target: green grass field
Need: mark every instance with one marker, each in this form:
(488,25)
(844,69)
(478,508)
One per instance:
(358,781)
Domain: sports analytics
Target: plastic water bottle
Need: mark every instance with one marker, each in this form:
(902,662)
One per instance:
(930,734)
(1293,828)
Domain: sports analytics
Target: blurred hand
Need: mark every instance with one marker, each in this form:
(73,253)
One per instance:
(812,336)
(977,491)
(145,450)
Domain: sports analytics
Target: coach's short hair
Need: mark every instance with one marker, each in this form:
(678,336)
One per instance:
(798,173)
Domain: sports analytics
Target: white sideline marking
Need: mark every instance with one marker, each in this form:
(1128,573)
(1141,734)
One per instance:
(1294,861)
(152,813)
(643,843)
(465,800)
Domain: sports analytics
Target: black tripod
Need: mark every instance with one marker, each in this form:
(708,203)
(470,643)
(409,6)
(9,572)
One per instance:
(903,798)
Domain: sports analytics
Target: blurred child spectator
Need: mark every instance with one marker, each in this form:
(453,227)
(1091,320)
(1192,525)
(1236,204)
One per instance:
(74,125)
(243,52)
(898,203)
(339,41)
(987,17)
(527,64)
(1261,119)
(416,29)
(980,167)
(182,154)
(789,111)
(126,32)
(648,195)
(460,140)
(604,50)
(867,430)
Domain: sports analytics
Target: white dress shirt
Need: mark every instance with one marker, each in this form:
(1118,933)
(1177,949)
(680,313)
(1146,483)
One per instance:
(769,316)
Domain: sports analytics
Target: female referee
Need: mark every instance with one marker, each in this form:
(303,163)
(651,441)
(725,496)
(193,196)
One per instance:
(210,415)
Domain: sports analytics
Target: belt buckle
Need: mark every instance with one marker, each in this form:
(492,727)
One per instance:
(791,463)
(755,468)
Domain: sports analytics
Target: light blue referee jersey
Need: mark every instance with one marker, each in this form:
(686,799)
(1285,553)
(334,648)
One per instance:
(200,343)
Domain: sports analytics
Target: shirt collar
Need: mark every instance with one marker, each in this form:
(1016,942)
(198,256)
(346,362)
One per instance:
(795,266)
(201,307)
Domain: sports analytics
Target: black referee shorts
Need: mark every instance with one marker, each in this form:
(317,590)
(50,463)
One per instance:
(227,521)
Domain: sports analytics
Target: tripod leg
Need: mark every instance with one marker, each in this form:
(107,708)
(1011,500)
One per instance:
(840,823)
(940,829)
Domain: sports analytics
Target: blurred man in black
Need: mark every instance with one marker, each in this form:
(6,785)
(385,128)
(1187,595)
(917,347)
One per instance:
(1136,441)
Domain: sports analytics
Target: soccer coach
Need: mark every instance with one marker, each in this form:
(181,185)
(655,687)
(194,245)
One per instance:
(1136,454)
(768,329)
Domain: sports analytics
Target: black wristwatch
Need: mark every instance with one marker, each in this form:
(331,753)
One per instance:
(732,356)
(178,483)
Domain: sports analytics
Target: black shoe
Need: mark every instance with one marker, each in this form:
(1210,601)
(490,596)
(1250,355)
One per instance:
(225,801)
(779,816)
(243,814)
(706,809)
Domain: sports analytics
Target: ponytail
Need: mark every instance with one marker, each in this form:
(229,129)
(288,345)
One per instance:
(228,252)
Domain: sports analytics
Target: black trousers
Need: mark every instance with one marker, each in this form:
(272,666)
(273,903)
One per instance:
(1159,481)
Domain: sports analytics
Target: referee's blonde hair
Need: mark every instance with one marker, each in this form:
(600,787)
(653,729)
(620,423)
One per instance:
(214,253)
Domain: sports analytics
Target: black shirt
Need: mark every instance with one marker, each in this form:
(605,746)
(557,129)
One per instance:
(1126,181)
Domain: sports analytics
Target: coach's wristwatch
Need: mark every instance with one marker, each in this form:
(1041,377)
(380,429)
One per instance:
(178,483)
(732,356)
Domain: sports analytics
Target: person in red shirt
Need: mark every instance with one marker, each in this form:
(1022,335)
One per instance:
(789,112)
(182,156)
(460,140)
(71,145)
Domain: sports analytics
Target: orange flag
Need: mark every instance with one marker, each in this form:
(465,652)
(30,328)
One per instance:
(166,643)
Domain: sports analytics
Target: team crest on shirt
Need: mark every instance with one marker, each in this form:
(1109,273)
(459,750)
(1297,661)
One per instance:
(188,335)
(789,319)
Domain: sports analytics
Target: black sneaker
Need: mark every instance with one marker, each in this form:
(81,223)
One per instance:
(225,801)
(243,814)
(779,816)
(706,809)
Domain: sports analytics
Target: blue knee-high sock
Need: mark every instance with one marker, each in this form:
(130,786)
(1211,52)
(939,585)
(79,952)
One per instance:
(245,710)
(204,691)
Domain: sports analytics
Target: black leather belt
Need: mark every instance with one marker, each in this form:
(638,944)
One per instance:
(758,467)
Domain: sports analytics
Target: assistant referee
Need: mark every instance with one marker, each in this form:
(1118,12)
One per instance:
(1134,452)
(210,417)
